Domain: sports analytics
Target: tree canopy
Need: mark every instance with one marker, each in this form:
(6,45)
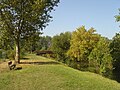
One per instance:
(60,45)
(100,59)
(115,53)
(81,44)
(118,17)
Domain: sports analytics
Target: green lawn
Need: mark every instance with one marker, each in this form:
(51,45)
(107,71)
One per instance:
(47,74)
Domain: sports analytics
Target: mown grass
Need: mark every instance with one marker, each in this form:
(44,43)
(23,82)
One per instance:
(52,76)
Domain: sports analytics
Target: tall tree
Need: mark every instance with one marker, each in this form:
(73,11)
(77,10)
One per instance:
(81,44)
(100,59)
(115,52)
(20,19)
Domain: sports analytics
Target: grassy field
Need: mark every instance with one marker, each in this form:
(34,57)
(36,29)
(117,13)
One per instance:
(39,73)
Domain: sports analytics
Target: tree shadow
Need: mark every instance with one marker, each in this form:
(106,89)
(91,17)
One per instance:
(18,68)
(41,63)
(26,58)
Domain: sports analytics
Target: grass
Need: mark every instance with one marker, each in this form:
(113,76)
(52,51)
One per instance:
(52,76)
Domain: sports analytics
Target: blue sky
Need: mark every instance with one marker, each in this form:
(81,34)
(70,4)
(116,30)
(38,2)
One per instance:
(71,14)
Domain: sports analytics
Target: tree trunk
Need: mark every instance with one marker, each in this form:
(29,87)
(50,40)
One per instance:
(17,55)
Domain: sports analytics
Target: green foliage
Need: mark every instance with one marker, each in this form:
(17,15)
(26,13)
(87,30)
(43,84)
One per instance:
(6,43)
(36,43)
(118,17)
(30,44)
(11,54)
(81,44)
(60,45)
(115,52)
(44,43)
(3,54)
(100,59)
(25,17)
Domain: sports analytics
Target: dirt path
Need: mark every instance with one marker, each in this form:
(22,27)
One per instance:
(3,66)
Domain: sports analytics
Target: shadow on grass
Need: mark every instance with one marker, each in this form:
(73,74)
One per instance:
(41,63)
(26,58)
(18,68)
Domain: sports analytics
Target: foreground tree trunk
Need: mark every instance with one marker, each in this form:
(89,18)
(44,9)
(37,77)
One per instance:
(17,55)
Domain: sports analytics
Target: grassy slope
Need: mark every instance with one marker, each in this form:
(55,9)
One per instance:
(52,76)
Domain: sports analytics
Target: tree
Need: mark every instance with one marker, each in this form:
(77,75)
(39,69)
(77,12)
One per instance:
(60,45)
(100,59)
(44,43)
(115,52)
(118,17)
(81,44)
(20,19)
